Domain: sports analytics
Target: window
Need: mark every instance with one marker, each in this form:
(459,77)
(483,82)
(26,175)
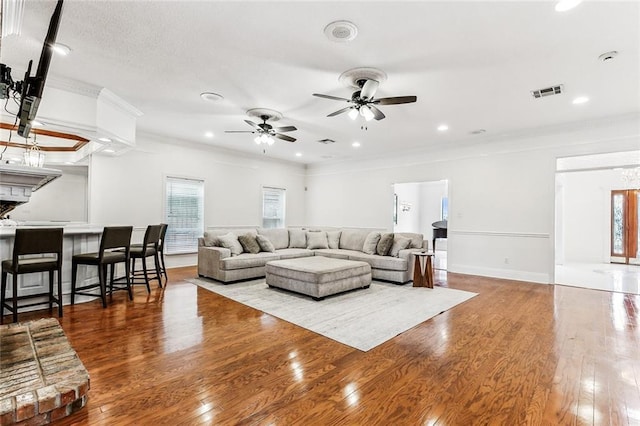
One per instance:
(184,213)
(444,208)
(273,206)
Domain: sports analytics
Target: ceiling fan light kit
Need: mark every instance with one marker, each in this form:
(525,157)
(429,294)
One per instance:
(266,132)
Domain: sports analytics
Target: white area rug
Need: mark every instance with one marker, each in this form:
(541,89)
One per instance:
(362,319)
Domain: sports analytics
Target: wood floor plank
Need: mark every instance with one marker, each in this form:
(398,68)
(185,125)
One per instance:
(518,353)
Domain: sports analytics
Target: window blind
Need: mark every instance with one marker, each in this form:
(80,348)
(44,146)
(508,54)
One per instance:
(184,213)
(273,207)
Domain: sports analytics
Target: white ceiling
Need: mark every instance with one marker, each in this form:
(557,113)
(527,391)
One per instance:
(472,65)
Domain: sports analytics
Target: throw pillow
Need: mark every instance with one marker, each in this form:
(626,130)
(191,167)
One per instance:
(297,238)
(333,238)
(265,244)
(399,243)
(231,242)
(249,243)
(210,240)
(385,244)
(317,240)
(371,242)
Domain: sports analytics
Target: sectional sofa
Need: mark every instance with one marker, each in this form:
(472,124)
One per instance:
(225,261)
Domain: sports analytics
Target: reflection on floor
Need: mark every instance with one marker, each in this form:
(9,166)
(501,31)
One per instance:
(600,276)
(440,266)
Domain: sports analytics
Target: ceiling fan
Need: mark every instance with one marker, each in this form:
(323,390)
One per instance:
(363,102)
(266,132)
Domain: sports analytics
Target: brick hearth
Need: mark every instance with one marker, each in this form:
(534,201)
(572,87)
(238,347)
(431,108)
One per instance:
(41,377)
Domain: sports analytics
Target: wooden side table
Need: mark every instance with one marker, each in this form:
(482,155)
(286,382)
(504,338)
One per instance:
(423,277)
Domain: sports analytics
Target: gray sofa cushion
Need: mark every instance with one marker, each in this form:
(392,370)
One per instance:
(333,238)
(279,237)
(384,245)
(371,242)
(353,239)
(399,243)
(249,243)
(265,244)
(416,239)
(317,240)
(336,253)
(231,242)
(291,253)
(297,238)
(381,262)
(247,260)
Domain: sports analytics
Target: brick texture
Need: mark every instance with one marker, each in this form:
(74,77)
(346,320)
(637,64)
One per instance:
(41,377)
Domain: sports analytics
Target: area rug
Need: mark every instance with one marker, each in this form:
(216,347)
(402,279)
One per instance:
(362,319)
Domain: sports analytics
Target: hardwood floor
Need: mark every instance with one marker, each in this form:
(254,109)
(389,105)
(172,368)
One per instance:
(517,354)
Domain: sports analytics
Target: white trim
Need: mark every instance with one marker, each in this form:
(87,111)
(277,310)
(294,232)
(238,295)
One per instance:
(509,274)
(115,101)
(501,234)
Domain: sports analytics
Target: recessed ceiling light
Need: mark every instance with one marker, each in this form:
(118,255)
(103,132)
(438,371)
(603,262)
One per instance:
(104,139)
(211,97)
(341,31)
(443,128)
(298,154)
(61,49)
(110,151)
(355,144)
(580,100)
(36,123)
(564,5)
(208,135)
(68,162)
(608,56)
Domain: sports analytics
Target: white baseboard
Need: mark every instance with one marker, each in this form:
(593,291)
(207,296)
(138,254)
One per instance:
(509,274)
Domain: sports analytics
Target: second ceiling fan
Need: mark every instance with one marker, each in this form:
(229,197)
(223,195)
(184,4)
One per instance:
(363,103)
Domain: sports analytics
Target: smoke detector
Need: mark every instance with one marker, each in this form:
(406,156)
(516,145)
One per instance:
(352,77)
(547,91)
(327,141)
(341,31)
(606,57)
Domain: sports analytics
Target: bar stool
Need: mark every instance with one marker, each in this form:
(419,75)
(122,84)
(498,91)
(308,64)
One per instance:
(46,242)
(163,234)
(114,248)
(148,248)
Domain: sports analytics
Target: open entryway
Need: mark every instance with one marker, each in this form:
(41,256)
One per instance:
(596,232)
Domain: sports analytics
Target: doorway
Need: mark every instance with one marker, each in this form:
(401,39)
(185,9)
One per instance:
(625,234)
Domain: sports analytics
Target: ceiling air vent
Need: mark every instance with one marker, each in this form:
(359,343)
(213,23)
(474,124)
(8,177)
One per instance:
(327,141)
(548,91)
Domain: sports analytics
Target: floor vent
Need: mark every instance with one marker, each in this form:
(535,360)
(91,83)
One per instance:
(548,91)
(327,141)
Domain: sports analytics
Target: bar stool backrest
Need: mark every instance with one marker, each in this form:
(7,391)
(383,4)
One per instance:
(38,241)
(163,234)
(151,238)
(115,237)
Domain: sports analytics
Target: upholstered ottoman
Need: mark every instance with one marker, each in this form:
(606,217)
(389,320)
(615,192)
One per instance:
(318,276)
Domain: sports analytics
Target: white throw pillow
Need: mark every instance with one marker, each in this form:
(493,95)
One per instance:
(231,242)
(333,238)
(399,243)
(297,238)
(317,240)
(265,244)
(371,242)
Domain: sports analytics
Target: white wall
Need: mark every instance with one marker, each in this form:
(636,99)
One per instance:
(64,199)
(408,194)
(586,214)
(501,193)
(431,195)
(129,189)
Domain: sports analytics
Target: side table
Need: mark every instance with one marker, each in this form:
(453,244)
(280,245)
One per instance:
(423,277)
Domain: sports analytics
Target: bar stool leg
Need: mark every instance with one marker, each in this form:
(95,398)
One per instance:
(74,275)
(60,292)
(102,276)
(156,260)
(3,292)
(164,268)
(127,273)
(113,270)
(146,276)
(15,297)
(50,291)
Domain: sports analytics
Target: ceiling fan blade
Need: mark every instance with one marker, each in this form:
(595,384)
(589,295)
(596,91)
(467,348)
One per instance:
(340,111)
(396,100)
(377,114)
(369,89)
(252,124)
(284,137)
(285,129)
(239,131)
(334,98)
